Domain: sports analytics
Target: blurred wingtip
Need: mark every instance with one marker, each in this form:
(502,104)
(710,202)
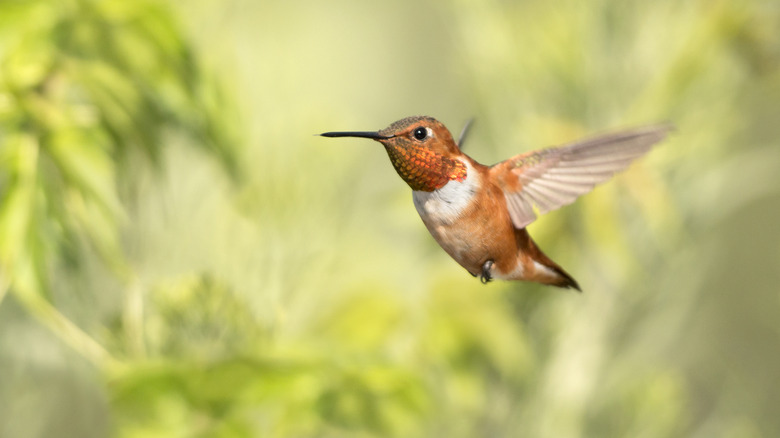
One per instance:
(464,132)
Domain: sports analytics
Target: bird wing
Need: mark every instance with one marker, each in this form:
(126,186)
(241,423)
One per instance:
(554,177)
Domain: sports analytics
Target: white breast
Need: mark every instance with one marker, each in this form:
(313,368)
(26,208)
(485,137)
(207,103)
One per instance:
(445,205)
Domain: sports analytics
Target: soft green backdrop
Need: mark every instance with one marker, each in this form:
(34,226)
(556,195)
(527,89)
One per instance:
(180,256)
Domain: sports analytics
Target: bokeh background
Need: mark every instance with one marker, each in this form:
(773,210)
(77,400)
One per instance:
(180,256)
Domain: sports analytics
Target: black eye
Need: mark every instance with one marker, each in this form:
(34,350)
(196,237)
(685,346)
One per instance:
(420,133)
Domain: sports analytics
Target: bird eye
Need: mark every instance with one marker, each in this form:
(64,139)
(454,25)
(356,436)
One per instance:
(420,133)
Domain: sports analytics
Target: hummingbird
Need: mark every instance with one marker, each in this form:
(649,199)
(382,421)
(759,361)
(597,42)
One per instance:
(478,214)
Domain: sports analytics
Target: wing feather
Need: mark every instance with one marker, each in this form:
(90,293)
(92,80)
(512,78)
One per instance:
(554,177)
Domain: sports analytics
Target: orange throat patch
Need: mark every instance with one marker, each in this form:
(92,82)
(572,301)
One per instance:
(424,169)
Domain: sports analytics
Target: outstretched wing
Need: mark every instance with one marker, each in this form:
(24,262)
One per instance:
(554,177)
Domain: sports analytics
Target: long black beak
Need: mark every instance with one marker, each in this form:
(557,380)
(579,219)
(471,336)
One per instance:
(363,134)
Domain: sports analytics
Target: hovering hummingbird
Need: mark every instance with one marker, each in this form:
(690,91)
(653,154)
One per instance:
(478,214)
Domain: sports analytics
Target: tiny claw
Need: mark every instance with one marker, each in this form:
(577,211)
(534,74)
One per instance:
(485,277)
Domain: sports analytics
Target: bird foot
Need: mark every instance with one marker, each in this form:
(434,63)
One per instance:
(485,277)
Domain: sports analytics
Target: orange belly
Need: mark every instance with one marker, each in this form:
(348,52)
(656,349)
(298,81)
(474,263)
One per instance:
(482,232)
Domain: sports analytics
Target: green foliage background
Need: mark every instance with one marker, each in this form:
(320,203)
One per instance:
(180,256)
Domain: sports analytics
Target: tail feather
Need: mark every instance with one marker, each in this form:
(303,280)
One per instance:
(566,281)
(554,275)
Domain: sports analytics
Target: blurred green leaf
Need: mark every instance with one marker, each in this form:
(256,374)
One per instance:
(86,84)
